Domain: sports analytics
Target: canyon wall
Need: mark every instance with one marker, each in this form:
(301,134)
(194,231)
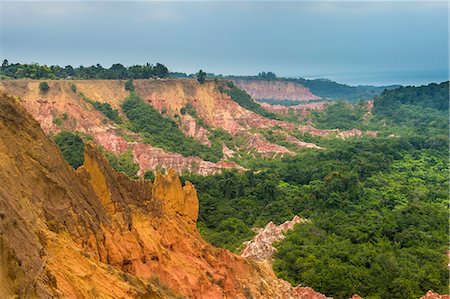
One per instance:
(76,114)
(94,233)
(275,90)
(65,107)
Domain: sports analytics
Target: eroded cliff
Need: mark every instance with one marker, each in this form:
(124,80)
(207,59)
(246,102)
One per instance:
(67,106)
(275,90)
(62,109)
(93,233)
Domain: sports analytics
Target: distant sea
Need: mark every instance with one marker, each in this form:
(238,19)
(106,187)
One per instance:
(405,78)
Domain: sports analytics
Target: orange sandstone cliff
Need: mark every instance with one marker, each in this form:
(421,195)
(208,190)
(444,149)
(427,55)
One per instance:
(93,233)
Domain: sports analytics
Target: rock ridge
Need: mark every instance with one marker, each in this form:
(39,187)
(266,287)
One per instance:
(94,233)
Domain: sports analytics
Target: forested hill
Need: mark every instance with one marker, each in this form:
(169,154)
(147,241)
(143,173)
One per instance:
(434,96)
(329,89)
(378,206)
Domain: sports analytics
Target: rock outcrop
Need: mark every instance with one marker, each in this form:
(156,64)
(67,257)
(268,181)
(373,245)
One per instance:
(61,103)
(433,295)
(265,148)
(94,233)
(275,90)
(190,127)
(302,110)
(60,108)
(261,246)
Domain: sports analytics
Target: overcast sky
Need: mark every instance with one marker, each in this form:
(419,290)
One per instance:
(355,42)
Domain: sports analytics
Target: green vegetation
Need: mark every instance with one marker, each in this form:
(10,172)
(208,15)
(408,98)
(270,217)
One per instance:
(129,85)
(289,102)
(201,76)
(116,71)
(378,206)
(323,88)
(163,132)
(329,89)
(107,111)
(342,115)
(123,163)
(413,111)
(422,110)
(73,87)
(72,148)
(267,76)
(188,109)
(43,87)
(244,100)
(57,121)
(433,96)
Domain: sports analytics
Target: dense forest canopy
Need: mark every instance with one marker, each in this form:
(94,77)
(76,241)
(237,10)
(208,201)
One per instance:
(116,71)
(378,206)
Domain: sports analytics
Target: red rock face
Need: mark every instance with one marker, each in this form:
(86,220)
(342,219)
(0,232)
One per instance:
(433,295)
(260,247)
(94,233)
(275,90)
(150,158)
(295,141)
(303,110)
(369,106)
(267,149)
(190,128)
(76,114)
(215,109)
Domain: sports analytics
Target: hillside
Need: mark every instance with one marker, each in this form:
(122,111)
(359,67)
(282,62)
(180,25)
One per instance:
(301,89)
(275,90)
(377,207)
(93,233)
(206,130)
(330,89)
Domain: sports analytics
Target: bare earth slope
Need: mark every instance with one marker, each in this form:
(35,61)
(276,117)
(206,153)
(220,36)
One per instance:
(76,114)
(93,233)
(61,108)
(275,90)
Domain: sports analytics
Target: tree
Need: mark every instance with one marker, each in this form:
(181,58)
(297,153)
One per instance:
(159,70)
(72,148)
(5,64)
(118,71)
(43,86)
(201,76)
(129,85)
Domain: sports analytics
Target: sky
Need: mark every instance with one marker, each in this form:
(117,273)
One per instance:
(354,42)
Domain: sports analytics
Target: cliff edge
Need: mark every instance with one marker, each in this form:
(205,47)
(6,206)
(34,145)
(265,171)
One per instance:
(94,233)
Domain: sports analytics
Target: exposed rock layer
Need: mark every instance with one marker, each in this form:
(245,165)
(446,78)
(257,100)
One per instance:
(261,246)
(76,114)
(93,233)
(275,90)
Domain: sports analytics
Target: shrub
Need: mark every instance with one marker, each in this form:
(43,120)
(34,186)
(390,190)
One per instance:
(107,111)
(57,121)
(73,87)
(43,87)
(72,148)
(201,77)
(129,85)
